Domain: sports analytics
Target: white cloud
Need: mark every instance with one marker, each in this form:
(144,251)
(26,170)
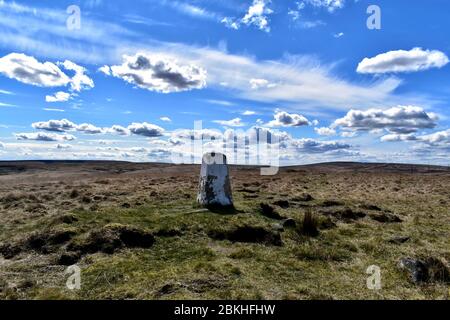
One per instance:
(284,119)
(310,24)
(413,60)
(28,70)
(2,146)
(53,110)
(60,146)
(105,69)
(314,146)
(260,83)
(295,14)
(248,113)
(400,120)
(257,15)
(159,73)
(338,35)
(394,137)
(44,136)
(139,149)
(206,134)
(146,129)
(80,81)
(6,92)
(220,102)
(330,5)
(324,131)
(55,125)
(192,10)
(230,23)
(88,128)
(301,82)
(348,134)
(437,138)
(7,105)
(58,97)
(237,122)
(165,119)
(116,129)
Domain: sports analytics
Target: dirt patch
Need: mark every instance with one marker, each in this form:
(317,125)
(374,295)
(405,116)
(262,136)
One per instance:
(282,204)
(69,258)
(248,234)
(168,233)
(429,269)
(346,214)
(9,251)
(113,237)
(331,203)
(43,242)
(385,217)
(270,212)
(370,207)
(303,198)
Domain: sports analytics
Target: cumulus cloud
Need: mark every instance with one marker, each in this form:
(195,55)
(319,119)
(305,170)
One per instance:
(284,119)
(143,129)
(44,136)
(58,97)
(231,23)
(159,73)
(146,129)
(315,146)
(105,69)
(324,131)
(80,81)
(330,5)
(400,120)
(413,60)
(89,129)
(205,134)
(248,113)
(257,15)
(66,125)
(55,125)
(437,138)
(2,146)
(237,122)
(394,137)
(28,70)
(116,129)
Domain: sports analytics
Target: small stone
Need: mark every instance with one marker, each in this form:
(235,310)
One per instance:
(417,269)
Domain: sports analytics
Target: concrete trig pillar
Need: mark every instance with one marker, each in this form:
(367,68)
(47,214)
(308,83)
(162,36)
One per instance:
(215,187)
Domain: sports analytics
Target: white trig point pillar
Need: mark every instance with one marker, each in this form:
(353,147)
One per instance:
(214,187)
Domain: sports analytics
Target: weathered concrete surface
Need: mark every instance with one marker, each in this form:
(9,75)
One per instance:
(215,187)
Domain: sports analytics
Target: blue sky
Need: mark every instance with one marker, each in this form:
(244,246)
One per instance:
(129,83)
